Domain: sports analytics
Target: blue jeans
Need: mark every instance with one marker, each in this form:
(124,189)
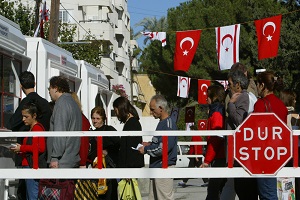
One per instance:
(32,188)
(267,188)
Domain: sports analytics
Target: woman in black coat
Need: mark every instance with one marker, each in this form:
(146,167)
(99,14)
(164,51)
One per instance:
(127,114)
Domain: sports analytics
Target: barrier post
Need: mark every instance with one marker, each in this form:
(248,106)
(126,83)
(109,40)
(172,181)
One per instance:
(35,155)
(230,151)
(295,150)
(165,152)
(99,152)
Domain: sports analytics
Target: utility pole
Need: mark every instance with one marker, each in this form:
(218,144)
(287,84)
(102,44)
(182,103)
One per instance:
(131,76)
(54,20)
(37,13)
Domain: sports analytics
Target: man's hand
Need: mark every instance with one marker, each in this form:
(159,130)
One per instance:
(146,143)
(234,97)
(53,164)
(204,165)
(141,149)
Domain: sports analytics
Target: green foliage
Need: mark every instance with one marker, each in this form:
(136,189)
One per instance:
(89,50)
(206,15)
(20,14)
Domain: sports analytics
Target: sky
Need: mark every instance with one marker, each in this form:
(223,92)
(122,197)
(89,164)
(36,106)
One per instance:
(140,9)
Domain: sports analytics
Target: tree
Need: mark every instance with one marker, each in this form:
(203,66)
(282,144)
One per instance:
(20,14)
(151,24)
(207,15)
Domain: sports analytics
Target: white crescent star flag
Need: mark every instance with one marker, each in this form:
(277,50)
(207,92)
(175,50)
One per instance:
(183,86)
(224,83)
(188,126)
(227,40)
(157,36)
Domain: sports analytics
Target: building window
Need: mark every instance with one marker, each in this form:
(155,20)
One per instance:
(64,16)
(10,93)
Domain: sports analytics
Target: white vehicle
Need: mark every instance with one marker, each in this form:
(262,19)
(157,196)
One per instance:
(182,153)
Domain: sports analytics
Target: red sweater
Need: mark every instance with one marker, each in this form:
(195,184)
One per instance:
(276,106)
(37,142)
(215,144)
(196,149)
(84,142)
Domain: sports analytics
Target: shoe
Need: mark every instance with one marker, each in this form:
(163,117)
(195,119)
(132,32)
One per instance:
(182,184)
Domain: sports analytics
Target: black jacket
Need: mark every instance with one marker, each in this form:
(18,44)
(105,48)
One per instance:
(129,158)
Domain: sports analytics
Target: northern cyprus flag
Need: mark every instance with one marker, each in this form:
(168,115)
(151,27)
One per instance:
(227,40)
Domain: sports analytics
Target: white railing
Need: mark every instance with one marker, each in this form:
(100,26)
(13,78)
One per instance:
(134,172)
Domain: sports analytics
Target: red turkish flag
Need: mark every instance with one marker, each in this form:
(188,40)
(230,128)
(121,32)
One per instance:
(186,46)
(202,124)
(268,35)
(202,91)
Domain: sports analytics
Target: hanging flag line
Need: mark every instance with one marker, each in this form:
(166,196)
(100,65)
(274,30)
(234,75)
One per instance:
(213,28)
(227,43)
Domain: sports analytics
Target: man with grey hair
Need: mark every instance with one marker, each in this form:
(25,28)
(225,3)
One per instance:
(239,106)
(161,188)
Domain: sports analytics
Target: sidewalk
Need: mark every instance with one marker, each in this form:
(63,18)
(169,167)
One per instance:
(192,191)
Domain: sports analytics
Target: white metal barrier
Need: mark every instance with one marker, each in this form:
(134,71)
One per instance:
(133,172)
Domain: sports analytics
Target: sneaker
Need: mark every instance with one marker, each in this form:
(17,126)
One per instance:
(182,184)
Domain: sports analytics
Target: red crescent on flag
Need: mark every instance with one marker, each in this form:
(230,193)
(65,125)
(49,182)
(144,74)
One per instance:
(227,36)
(185,79)
(269,24)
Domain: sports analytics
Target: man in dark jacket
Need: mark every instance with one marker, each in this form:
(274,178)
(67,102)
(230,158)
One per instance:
(27,81)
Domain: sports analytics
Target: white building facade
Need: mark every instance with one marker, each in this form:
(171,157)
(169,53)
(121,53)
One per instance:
(108,21)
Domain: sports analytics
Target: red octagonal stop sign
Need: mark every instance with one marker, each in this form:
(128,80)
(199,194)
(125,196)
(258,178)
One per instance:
(263,144)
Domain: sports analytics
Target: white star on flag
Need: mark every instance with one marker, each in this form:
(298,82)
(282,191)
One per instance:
(185,53)
(269,37)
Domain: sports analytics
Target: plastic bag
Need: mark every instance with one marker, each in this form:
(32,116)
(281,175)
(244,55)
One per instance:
(129,190)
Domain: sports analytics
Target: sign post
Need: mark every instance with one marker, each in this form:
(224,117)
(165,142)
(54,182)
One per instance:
(263,144)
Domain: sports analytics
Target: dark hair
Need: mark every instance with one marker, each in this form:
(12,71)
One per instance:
(124,107)
(267,78)
(100,111)
(238,67)
(27,80)
(239,77)
(216,93)
(288,97)
(60,83)
(32,108)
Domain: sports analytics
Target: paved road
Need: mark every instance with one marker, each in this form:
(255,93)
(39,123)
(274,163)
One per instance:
(191,192)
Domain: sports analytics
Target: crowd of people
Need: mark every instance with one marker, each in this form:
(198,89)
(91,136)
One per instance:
(228,108)
(64,113)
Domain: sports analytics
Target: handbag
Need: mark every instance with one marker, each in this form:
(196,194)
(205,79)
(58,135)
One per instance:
(85,189)
(56,189)
(102,185)
(129,190)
